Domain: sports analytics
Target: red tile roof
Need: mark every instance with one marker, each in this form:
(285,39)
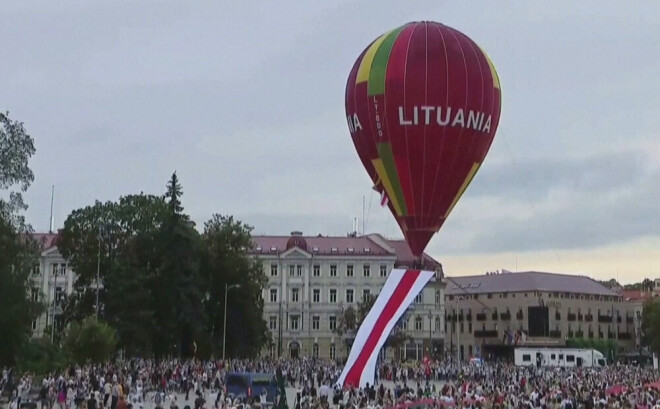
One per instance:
(46,240)
(341,246)
(636,295)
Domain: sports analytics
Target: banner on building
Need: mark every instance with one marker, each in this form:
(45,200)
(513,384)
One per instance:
(399,291)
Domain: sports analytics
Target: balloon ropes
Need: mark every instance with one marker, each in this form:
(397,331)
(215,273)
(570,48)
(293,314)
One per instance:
(422,105)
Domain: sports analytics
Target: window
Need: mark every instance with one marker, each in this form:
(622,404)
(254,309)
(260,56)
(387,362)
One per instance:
(437,323)
(273,270)
(295,295)
(295,322)
(333,270)
(383,270)
(333,323)
(553,356)
(55,270)
(418,323)
(59,294)
(366,270)
(271,351)
(315,351)
(272,322)
(35,294)
(299,270)
(419,298)
(292,270)
(333,296)
(437,297)
(317,270)
(349,296)
(316,295)
(34,325)
(35,269)
(570,358)
(366,294)
(404,323)
(63,269)
(273,295)
(333,350)
(527,358)
(349,270)
(470,327)
(316,322)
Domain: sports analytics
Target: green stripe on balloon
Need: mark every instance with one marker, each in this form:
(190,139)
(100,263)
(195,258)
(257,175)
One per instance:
(376,84)
(387,156)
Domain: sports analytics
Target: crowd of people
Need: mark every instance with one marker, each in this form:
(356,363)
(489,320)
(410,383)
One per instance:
(145,384)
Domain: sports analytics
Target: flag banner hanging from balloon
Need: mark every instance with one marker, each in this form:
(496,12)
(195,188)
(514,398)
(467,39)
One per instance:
(399,291)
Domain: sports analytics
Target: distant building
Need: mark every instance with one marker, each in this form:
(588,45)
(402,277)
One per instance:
(53,280)
(311,279)
(487,315)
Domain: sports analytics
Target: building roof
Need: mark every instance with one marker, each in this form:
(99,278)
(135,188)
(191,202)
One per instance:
(46,240)
(526,281)
(368,245)
(636,295)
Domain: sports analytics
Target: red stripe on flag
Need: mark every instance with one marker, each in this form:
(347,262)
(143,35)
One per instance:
(393,304)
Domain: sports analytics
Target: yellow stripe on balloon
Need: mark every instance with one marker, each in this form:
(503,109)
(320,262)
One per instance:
(466,182)
(493,72)
(368,59)
(387,184)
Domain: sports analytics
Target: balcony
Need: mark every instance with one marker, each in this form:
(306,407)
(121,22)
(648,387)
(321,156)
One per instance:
(588,318)
(481,317)
(482,333)
(571,316)
(580,317)
(555,334)
(505,316)
(605,319)
(625,336)
(494,316)
(519,315)
(557,316)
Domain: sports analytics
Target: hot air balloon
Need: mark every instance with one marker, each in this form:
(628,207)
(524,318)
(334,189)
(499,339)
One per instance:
(422,105)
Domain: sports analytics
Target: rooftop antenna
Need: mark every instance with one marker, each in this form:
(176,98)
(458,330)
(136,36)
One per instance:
(50,221)
(363,219)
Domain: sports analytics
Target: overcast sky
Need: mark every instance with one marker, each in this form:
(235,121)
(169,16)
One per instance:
(244,99)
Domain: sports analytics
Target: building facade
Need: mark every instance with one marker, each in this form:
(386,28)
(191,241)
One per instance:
(53,280)
(311,280)
(487,315)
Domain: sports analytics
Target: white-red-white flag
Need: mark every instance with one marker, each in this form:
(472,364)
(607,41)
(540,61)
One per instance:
(399,291)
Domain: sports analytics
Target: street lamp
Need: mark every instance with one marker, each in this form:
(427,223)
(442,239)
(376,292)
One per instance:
(224,329)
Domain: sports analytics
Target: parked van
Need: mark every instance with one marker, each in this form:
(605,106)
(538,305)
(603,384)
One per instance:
(249,384)
(561,357)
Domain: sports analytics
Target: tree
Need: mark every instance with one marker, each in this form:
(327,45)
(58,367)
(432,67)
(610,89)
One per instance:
(125,233)
(651,324)
(226,242)
(90,341)
(18,253)
(177,284)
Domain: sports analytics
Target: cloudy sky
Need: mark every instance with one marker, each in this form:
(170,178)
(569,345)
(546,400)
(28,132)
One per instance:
(244,99)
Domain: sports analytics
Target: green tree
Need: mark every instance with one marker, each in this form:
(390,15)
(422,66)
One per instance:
(18,253)
(651,324)
(226,242)
(90,341)
(125,233)
(177,284)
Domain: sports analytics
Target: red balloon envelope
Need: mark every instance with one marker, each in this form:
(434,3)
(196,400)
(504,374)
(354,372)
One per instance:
(423,105)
